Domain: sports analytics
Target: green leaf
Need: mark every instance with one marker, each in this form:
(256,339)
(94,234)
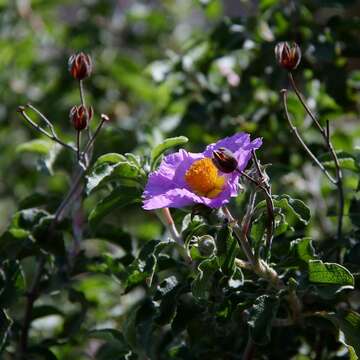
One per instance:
(112,336)
(165,145)
(117,199)
(226,249)
(5,326)
(12,285)
(29,218)
(349,324)
(16,243)
(330,273)
(200,287)
(114,167)
(261,316)
(144,267)
(38,146)
(293,208)
(303,249)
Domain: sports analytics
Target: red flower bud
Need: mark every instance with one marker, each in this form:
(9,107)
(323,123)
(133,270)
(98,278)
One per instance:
(224,160)
(80,66)
(288,56)
(80,116)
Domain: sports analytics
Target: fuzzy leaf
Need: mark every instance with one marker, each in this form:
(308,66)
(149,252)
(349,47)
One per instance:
(303,249)
(262,314)
(202,283)
(116,167)
(329,273)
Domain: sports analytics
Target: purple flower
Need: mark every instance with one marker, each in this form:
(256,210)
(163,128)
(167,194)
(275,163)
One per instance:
(185,178)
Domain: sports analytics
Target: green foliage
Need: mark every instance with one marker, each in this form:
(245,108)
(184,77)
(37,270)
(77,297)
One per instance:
(85,272)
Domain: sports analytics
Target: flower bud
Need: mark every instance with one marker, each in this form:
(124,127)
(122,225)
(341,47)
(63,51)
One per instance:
(80,116)
(80,66)
(206,245)
(288,56)
(224,160)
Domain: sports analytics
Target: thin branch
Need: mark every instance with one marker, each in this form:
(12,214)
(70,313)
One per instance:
(326,135)
(301,141)
(83,103)
(89,144)
(307,109)
(38,128)
(82,93)
(32,296)
(78,144)
(269,206)
(69,195)
(47,121)
(241,238)
(246,223)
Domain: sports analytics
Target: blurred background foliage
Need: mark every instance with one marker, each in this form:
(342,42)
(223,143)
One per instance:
(200,68)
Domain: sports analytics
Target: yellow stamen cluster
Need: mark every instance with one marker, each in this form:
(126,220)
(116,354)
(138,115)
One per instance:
(204,179)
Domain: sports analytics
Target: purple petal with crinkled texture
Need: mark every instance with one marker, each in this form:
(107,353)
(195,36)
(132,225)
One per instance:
(167,186)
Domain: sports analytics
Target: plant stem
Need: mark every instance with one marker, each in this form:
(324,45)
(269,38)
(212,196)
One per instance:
(34,290)
(92,138)
(32,296)
(270,211)
(325,132)
(78,144)
(37,127)
(303,103)
(246,223)
(301,141)
(69,195)
(269,206)
(83,103)
(166,218)
(82,93)
(241,238)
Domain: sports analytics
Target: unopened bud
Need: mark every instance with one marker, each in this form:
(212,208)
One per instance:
(80,66)
(206,245)
(80,116)
(288,56)
(224,160)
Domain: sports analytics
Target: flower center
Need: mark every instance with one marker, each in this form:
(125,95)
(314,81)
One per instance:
(204,179)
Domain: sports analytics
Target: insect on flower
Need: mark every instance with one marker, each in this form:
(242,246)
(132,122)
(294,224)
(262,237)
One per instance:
(185,178)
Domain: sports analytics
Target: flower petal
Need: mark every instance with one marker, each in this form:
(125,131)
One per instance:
(174,198)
